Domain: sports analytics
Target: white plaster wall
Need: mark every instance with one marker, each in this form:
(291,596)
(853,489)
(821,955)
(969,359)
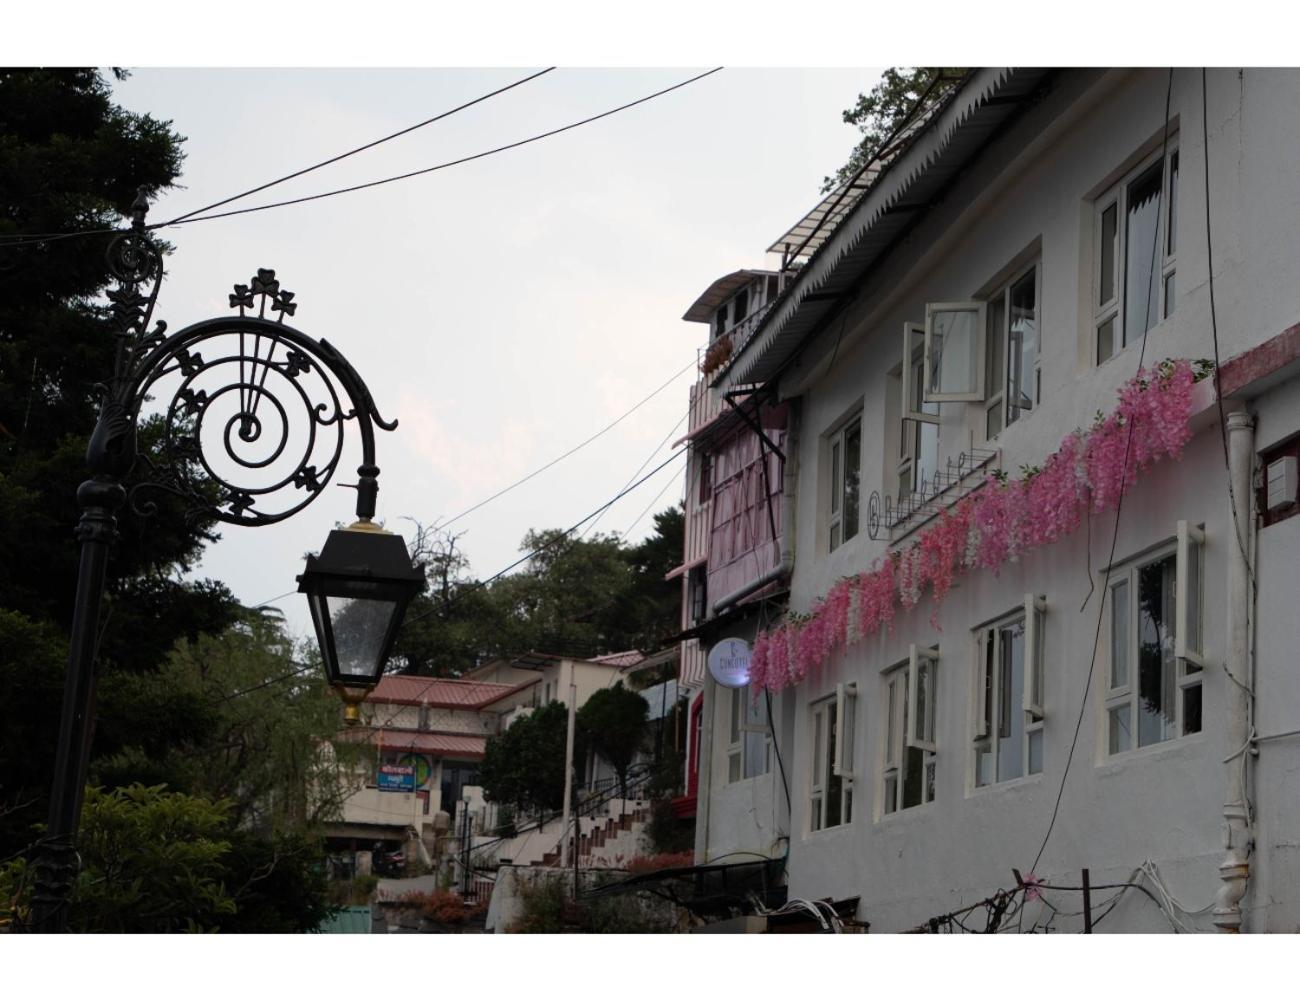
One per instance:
(1162,803)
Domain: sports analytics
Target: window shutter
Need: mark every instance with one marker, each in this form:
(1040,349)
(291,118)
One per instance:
(954,351)
(1187,595)
(921,699)
(1035,619)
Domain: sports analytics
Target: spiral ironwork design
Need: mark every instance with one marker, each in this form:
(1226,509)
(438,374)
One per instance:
(253,412)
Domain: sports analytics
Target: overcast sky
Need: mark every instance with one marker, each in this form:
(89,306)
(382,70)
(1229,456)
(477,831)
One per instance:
(503,310)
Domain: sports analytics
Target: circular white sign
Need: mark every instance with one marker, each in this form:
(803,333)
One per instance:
(729,663)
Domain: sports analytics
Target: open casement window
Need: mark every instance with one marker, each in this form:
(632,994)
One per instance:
(749,742)
(830,797)
(1008,697)
(908,764)
(1153,690)
(1134,261)
(846,478)
(954,351)
(1012,375)
(918,433)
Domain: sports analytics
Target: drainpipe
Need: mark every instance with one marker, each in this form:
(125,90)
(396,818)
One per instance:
(704,762)
(1234,870)
(789,486)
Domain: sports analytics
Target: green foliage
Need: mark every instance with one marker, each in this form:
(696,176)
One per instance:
(152,862)
(880,111)
(613,721)
(548,908)
(668,834)
(524,766)
(580,597)
(279,884)
(543,899)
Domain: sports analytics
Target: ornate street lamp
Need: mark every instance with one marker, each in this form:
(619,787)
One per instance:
(253,421)
(358,589)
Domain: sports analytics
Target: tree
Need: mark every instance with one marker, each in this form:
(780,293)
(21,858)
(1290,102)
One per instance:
(524,766)
(888,104)
(71,160)
(613,721)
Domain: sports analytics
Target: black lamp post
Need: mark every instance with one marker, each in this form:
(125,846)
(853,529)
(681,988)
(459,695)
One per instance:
(253,432)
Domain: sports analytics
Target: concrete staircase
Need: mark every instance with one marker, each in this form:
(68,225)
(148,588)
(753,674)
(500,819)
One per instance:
(606,841)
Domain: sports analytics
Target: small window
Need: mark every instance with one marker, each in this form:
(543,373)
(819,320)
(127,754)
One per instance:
(846,476)
(1008,723)
(918,452)
(706,477)
(1154,682)
(954,351)
(909,759)
(749,741)
(830,797)
(1011,364)
(698,587)
(1135,260)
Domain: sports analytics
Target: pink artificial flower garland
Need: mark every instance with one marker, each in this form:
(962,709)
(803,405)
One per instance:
(993,525)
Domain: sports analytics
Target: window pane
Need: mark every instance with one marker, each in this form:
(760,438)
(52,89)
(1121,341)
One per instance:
(833,781)
(1140,234)
(1022,346)
(891,793)
(1155,652)
(891,732)
(848,802)
(852,467)
(997,332)
(929,780)
(1191,709)
(983,767)
(953,351)
(1169,293)
(835,536)
(815,812)
(993,421)
(927,455)
(1109,247)
(1106,340)
(733,767)
(1118,725)
(921,732)
(1011,726)
(1171,243)
(817,748)
(1036,752)
(836,485)
(1193,637)
(1119,635)
(913,775)
(990,665)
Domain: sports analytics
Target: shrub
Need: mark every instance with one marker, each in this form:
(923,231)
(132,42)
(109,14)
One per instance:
(643,863)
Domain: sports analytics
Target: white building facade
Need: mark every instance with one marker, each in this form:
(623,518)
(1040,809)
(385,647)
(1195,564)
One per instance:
(986,294)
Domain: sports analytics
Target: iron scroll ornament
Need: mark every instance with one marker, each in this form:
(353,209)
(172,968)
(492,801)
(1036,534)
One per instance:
(253,409)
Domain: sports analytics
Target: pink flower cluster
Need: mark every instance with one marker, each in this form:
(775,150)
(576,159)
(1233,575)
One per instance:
(992,526)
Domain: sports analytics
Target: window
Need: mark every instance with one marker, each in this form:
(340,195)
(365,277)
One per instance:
(908,763)
(698,589)
(1012,373)
(846,475)
(918,441)
(706,477)
(830,798)
(954,351)
(749,741)
(1008,703)
(1153,690)
(1135,258)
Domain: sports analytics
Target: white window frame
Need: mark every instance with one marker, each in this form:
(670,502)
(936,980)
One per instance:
(975,393)
(1187,551)
(997,392)
(744,717)
(837,444)
(914,412)
(987,697)
(1113,307)
(900,733)
(832,757)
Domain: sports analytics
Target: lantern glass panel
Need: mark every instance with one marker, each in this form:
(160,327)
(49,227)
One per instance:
(360,626)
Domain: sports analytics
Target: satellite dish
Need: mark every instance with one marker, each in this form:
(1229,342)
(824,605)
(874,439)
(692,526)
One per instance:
(729,663)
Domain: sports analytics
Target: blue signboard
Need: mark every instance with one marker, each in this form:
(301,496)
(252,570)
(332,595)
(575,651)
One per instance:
(396,778)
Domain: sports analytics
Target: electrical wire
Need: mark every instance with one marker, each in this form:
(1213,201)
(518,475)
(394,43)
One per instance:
(25,239)
(628,530)
(358,149)
(448,163)
(640,469)
(1119,505)
(576,448)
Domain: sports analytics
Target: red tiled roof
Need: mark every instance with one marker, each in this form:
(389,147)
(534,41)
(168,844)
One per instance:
(441,692)
(438,744)
(625,659)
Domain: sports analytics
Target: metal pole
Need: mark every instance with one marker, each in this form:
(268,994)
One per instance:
(1087,903)
(57,863)
(568,763)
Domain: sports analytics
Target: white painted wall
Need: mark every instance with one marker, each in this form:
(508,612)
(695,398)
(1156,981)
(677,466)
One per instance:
(1162,803)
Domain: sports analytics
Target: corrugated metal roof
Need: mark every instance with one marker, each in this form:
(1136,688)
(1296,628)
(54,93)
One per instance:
(703,308)
(441,692)
(901,194)
(419,741)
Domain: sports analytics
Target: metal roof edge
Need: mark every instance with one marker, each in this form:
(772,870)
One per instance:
(897,177)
